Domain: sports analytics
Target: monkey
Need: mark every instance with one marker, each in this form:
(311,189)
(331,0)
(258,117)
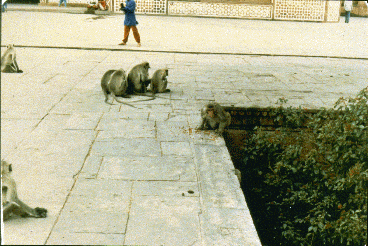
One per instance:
(8,61)
(138,78)
(159,81)
(115,82)
(214,117)
(10,201)
(138,81)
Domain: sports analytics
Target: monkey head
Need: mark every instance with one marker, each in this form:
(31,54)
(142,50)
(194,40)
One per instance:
(146,65)
(6,168)
(211,112)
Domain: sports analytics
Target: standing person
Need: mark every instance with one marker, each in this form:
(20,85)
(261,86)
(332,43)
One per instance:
(61,1)
(348,6)
(130,22)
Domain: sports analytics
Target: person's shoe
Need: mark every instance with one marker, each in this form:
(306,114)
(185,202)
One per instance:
(139,44)
(122,43)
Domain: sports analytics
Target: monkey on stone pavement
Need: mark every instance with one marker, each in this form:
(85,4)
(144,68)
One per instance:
(138,78)
(115,82)
(214,117)
(159,81)
(9,62)
(10,201)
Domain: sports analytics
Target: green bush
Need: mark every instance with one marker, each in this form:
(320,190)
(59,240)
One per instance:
(314,180)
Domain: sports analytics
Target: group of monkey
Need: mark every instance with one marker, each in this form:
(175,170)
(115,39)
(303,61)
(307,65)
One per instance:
(116,84)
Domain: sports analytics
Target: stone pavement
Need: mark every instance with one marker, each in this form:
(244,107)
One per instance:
(119,175)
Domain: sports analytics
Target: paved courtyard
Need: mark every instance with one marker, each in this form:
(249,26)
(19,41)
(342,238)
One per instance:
(120,175)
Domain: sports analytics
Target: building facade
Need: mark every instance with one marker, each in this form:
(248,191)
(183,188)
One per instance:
(297,10)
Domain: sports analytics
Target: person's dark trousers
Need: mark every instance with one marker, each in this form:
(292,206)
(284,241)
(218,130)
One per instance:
(347,16)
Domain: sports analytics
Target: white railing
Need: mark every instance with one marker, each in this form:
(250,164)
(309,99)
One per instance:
(220,10)
(145,6)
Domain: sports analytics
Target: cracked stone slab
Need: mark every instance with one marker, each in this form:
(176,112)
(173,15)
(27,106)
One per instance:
(34,230)
(158,116)
(219,187)
(112,128)
(13,131)
(233,226)
(172,131)
(147,168)
(127,147)
(176,149)
(87,238)
(77,107)
(206,137)
(165,189)
(108,195)
(95,221)
(97,206)
(83,121)
(159,221)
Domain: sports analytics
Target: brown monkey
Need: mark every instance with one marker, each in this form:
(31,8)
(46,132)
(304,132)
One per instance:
(138,78)
(214,117)
(115,82)
(10,201)
(9,62)
(159,81)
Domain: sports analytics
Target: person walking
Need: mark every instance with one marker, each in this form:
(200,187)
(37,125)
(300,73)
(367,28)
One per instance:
(130,22)
(61,1)
(348,6)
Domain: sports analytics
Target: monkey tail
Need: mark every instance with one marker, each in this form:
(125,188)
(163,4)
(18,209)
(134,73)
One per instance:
(151,97)
(122,102)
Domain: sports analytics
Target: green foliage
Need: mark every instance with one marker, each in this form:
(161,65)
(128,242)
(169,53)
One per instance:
(314,181)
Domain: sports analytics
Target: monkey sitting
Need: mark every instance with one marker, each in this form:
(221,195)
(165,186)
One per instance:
(10,201)
(115,82)
(214,117)
(138,78)
(8,61)
(159,81)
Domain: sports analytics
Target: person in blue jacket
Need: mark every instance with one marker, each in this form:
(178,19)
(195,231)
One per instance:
(130,22)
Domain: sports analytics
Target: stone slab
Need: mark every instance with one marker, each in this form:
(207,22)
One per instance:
(88,238)
(147,168)
(165,189)
(127,147)
(158,221)
(176,149)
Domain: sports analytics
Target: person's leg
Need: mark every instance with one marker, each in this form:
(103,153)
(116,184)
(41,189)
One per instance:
(347,17)
(136,35)
(126,34)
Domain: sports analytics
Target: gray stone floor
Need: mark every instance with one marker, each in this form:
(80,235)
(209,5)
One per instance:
(119,175)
